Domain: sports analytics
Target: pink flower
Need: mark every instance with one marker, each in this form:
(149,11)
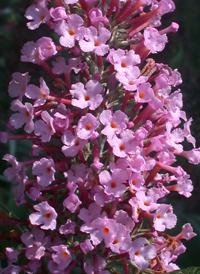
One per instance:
(193,156)
(37,52)
(123,218)
(11,269)
(100,264)
(166,259)
(46,216)
(123,145)
(131,79)
(187,232)
(12,254)
(113,184)
(144,93)
(164,218)
(154,41)
(164,6)
(23,116)
(184,185)
(137,163)
(136,182)
(19,190)
(61,122)
(61,119)
(44,169)
(12,173)
(70,31)
(122,241)
(140,253)
(96,17)
(44,127)
(187,132)
(108,121)
(86,246)
(77,173)
(146,202)
(94,40)
(72,202)
(34,265)
(122,60)
(89,215)
(62,256)
(67,228)
(103,229)
(38,13)
(33,193)
(30,53)
(174,137)
(87,97)
(100,197)
(74,64)
(72,144)
(58,13)
(165,156)
(115,123)
(46,48)
(35,242)
(39,94)
(17,87)
(86,126)
(54,268)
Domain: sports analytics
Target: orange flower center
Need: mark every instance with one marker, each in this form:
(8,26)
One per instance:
(36,56)
(122,147)
(146,203)
(88,126)
(48,169)
(133,182)
(113,125)
(27,114)
(106,230)
(47,215)
(141,95)
(96,44)
(137,253)
(123,64)
(72,32)
(64,254)
(113,185)
(159,216)
(76,143)
(87,97)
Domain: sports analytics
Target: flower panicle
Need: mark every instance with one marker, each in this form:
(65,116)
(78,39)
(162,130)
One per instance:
(105,131)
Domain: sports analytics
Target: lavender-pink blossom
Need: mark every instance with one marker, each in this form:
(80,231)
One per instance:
(46,216)
(106,127)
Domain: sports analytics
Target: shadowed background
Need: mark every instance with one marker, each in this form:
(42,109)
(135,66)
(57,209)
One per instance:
(182,52)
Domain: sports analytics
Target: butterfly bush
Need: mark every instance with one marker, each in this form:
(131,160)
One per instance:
(106,125)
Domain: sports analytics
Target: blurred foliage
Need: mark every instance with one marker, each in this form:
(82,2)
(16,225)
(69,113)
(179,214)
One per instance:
(189,270)
(181,52)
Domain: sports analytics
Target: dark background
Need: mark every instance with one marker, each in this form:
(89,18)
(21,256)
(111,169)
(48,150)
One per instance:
(182,52)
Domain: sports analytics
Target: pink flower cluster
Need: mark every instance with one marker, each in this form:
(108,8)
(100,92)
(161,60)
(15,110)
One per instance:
(106,125)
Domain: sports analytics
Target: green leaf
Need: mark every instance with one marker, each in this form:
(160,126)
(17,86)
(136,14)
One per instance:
(189,270)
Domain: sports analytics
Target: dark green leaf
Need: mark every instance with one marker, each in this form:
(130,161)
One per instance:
(189,270)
